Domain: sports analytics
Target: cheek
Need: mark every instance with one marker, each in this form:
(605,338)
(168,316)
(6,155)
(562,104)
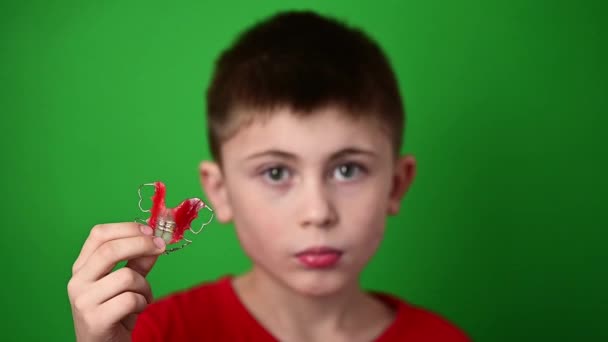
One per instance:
(368,225)
(369,237)
(257,223)
(364,216)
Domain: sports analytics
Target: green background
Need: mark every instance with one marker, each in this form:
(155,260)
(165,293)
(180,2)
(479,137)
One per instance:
(503,232)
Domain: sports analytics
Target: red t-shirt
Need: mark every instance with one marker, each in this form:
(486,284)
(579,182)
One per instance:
(214,312)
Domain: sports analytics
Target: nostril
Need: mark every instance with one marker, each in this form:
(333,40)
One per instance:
(325,218)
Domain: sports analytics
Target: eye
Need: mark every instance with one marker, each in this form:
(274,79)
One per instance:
(277,174)
(347,171)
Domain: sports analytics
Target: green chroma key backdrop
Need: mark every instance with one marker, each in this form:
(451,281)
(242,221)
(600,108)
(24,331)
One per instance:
(503,231)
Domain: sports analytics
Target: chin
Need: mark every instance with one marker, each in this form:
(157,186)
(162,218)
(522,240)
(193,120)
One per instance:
(318,283)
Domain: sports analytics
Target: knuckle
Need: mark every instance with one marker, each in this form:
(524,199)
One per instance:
(144,243)
(72,287)
(107,250)
(91,322)
(132,301)
(126,277)
(79,304)
(146,285)
(97,232)
(74,267)
(134,228)
(149,294)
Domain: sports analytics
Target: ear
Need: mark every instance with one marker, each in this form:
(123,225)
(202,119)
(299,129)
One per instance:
(214,186)
(403,176)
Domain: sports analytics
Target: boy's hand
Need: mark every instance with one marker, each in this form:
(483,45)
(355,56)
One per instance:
(105,303)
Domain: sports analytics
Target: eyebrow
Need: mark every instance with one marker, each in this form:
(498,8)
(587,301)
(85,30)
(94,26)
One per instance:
(290,156)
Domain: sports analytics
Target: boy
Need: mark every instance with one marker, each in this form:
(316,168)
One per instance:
(305,124)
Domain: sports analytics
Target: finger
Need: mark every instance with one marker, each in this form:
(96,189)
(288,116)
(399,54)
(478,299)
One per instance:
(111,252)
(115,283)
(129,321)
(142,265)
(119,307)
(102,233)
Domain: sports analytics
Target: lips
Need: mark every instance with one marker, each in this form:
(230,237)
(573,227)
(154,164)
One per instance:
(319,257)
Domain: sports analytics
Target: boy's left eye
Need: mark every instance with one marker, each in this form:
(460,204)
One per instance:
(347,171)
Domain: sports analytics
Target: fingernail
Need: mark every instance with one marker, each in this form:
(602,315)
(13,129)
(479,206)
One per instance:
(160,243)
(146,230)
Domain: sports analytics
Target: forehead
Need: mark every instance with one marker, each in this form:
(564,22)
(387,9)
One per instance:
(315,134)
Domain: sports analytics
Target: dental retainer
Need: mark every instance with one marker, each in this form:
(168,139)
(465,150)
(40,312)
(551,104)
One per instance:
(170,224)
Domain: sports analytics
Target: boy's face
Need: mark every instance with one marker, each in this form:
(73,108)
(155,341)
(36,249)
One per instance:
(308,195)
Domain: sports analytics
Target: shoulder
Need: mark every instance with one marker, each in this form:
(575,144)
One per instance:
(180,312)
(209,294)
(418,324)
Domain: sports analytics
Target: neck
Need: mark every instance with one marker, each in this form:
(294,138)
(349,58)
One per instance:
(288,313)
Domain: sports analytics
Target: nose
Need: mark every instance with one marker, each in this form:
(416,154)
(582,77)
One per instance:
(317,207)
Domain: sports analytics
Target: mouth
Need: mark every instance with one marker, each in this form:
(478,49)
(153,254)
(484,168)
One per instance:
(319,257)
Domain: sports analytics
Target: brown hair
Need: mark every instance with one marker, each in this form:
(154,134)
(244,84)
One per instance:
(303,61)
